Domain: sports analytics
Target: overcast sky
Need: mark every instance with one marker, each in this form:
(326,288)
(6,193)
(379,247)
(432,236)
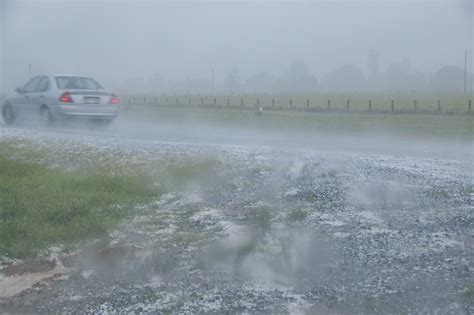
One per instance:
(186,39)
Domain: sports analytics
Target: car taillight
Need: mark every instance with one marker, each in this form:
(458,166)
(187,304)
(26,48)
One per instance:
(66,98)
(114,99)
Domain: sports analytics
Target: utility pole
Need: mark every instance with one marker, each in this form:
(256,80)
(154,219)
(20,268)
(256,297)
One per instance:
(465,70)
(29,70)
(213,87)
(2,50)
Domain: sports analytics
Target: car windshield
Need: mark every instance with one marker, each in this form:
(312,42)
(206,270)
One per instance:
(77,83)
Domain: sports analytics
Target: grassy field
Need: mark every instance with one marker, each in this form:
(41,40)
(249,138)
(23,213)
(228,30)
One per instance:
(61,196)
(419,125)
(42,206)
(403,102)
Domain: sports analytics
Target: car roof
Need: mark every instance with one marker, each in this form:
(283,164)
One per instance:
(71,75)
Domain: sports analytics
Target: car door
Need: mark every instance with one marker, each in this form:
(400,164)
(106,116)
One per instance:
(38,96)
(23,102)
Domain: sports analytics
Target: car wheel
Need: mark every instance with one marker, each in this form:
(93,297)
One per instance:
(7,114)
(46,117)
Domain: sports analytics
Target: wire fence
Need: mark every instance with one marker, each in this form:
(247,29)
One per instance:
(454,105)
(447,105)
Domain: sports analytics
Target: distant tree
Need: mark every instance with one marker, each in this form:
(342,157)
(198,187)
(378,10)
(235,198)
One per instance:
(298,70)
(448,78)
(347,78)
(297,79)
(196,85)
(400,77)
(372,67)
(188,86)
(232,81)
(261,82)
(395,75)
(156,83)
(135,84)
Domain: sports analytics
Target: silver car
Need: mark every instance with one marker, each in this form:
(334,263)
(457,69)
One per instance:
(61,97)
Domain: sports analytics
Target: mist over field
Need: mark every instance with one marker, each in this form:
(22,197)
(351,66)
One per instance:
(251,46)
(241,157)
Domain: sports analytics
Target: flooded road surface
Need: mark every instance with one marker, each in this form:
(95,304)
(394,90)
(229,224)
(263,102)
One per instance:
(275,226)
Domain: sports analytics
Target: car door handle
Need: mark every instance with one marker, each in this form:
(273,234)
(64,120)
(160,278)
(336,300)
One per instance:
(41,95)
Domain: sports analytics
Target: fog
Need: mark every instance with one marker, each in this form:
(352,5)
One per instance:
(187,200)
(250,46)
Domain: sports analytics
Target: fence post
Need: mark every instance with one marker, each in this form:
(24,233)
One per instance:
(258,101)
(228,102)
(307,103)
(439,105)
(469,106)
(370,105)
(144,100)
(155,100)
(291,103)
(348,103)
(177,101)
(392,105)
(166,100)
(241,102)
(202,101)
(215,101)
(273,102)
(189,101)
(415,104)
(329,104)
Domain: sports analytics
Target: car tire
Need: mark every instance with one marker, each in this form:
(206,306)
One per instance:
(46,117)
(8,115)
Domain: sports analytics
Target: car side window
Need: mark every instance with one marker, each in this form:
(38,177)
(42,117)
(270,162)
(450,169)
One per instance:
(43,85)
(30,87)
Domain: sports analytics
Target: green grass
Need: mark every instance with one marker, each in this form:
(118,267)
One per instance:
(41,206)
(449,102)
(259,217)
(297,215)
(469,293)
(184,174)
(420,125)
(85,195)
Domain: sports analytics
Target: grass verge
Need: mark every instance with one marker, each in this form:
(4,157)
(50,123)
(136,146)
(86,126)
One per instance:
(41,206)
(420,125)
(440,102)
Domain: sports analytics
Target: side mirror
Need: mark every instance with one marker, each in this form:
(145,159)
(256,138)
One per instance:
(19,90)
